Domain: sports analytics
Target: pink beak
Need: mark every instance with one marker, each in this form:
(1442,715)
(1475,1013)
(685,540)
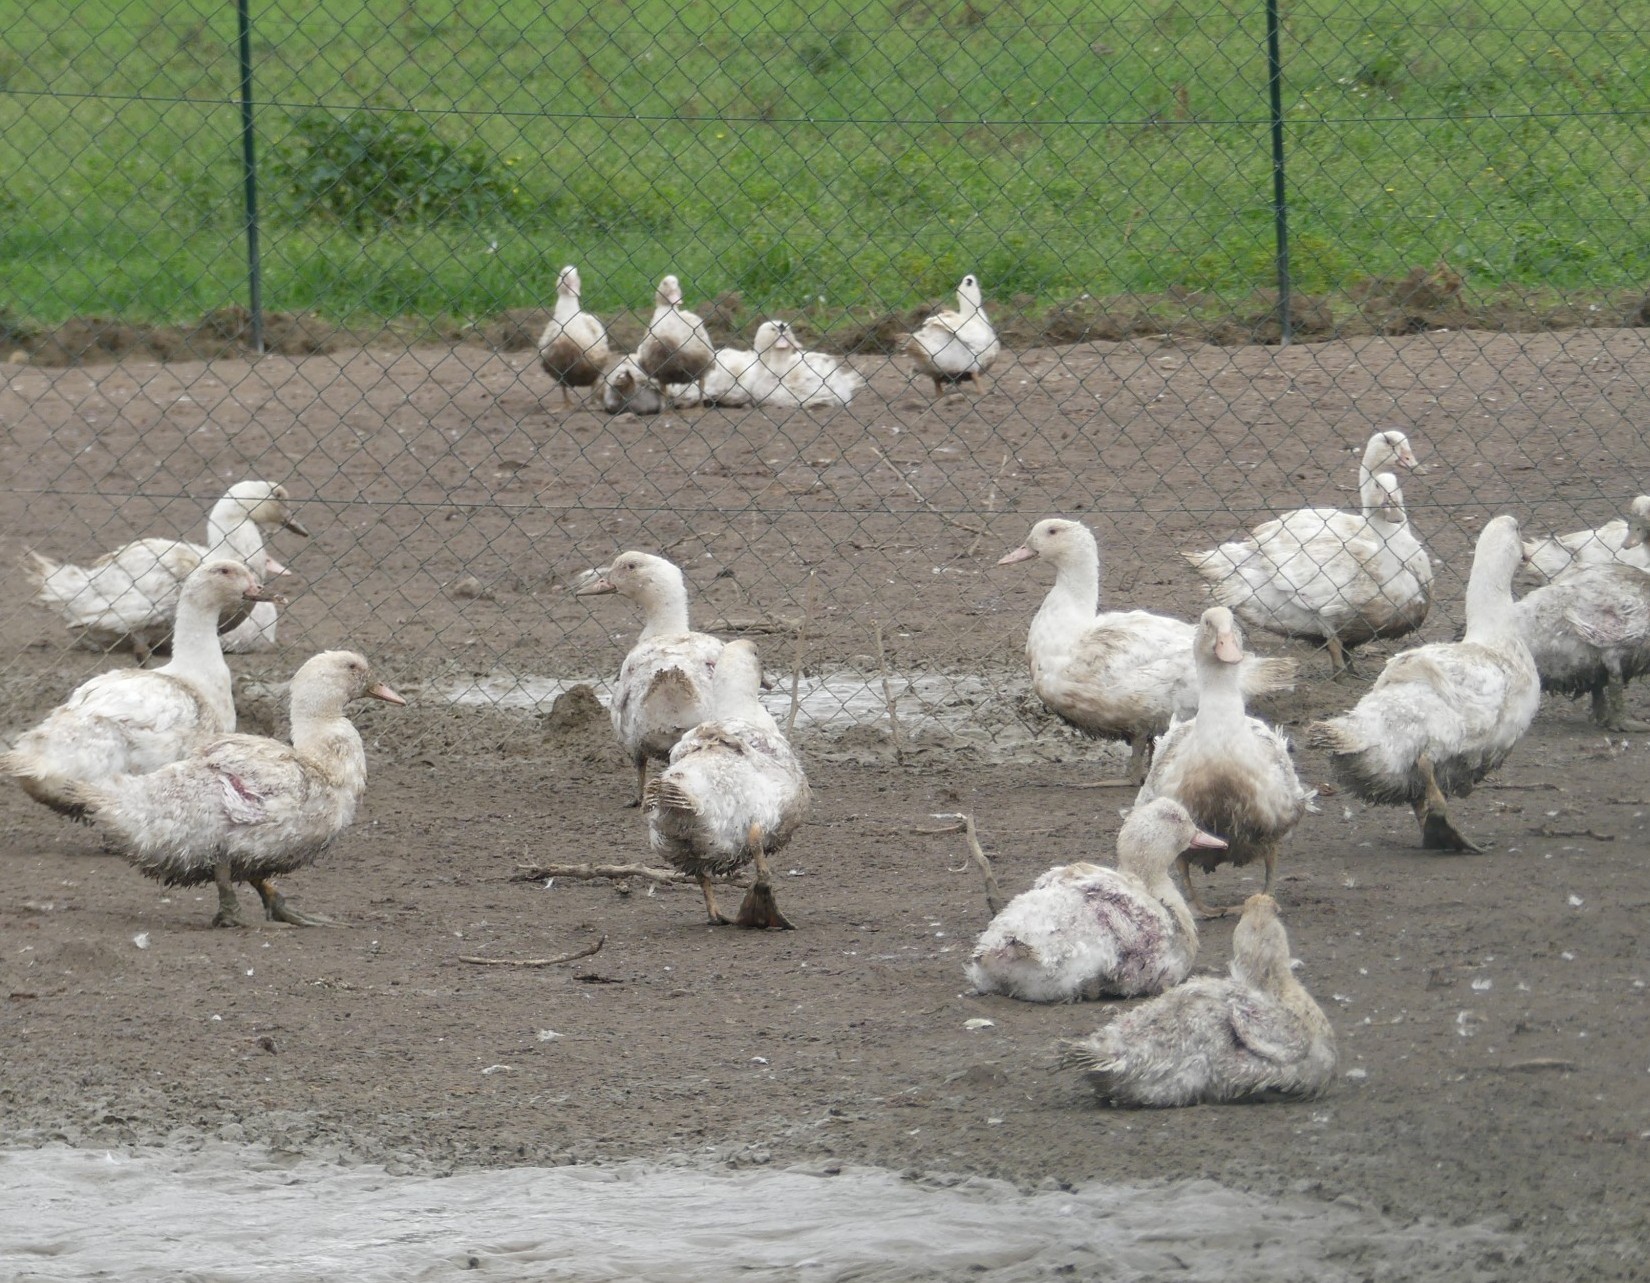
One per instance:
(1228,650)
(1406,456)
(1208,841)
(273,568)
(1019,554)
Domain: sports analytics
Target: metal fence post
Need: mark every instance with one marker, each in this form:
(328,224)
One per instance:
(1280,207)
(249,171)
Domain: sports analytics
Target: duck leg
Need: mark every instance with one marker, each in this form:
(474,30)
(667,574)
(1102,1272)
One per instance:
(229,908)
(641,782)
(1140,756)
(1615,704)
(759,909)
(717,919)
(1432,811)
(1340,668)
(1194,899)
(276,909)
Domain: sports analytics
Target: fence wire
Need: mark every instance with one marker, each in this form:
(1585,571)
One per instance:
(1467,264)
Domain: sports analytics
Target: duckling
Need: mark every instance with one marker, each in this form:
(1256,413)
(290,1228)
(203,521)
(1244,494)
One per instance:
(956,347)
(1345,584)
(733,794)
(573,348)
(1625,540)
(664,687)
(1116,674)
(677,347)
(1442,717)
(242,808)
(128,597)
(1086,931)
(1255,1035)
(1232,772)
(1589,633)
(134,720)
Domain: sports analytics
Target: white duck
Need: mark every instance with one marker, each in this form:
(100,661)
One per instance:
(1231,772)
(737,377)
(810,379)
(1589,633)
(1442,717)
(956,347)
(573,348)
(733,794)
(130,595)
(1625,540)
(1254,1035)
(242,808)
(664,686)
(1344,585)
(1118,674)
(133,720)
(1383,451)
(677,346)
(1085,931)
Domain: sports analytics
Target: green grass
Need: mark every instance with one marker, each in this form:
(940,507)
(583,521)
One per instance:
(866,155)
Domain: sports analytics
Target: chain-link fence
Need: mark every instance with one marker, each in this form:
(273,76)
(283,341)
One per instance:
(1440,204)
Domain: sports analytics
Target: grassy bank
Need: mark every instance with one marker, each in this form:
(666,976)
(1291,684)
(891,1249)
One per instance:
(825,156)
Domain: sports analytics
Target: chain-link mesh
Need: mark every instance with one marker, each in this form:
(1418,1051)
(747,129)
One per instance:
(1466,259)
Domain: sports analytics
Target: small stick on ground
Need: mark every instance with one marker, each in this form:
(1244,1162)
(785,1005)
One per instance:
(585,952)
(888,697)
(801,649)
(539,872)
(990,503)
(919,497)
(964,824)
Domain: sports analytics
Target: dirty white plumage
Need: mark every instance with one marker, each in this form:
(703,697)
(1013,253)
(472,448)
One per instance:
(1232,772)
(1589,633)
(958,346)
(734,792)
(1382,452)
(1115,674)
(677,346)
(1085,931)
(1441,717)
(1254,1035)
(664,686)
(1625,540)
(242,808)
(129,596)
(133,720)
(573,349)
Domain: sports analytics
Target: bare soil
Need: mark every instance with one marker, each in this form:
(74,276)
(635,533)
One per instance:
(1492,1010)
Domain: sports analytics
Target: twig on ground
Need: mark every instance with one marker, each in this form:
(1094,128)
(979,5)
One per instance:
(920,498)
(990,503)
(539,872)
(964,824)
(585,952)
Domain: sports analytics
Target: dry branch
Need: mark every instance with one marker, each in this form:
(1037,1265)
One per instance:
(539,872)
(964,824)
(922,499)
(585,952)
(888,697)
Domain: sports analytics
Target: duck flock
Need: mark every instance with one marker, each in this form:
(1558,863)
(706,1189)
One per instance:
(151,756)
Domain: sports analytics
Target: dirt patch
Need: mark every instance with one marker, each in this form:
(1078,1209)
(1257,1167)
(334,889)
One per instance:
(1491,1010)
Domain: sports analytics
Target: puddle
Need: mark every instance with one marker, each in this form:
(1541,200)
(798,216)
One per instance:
(224,1214)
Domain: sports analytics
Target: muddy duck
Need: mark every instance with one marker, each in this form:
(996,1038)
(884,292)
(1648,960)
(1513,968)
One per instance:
(128,598)
(133,720)
(1232,772)
(242,808)
(1253,1035)
(664,686)
(1442,717)
(953,347)
(1345,585)
(1625,540)
(573,348)
(733,794)
(1589,634)
(1118,675)
(677,346)
(1086,931)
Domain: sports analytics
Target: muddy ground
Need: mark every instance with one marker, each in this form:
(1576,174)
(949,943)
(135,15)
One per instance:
(1491,1010)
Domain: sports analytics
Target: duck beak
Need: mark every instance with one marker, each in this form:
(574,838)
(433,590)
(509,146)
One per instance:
(1206,841)
(1634,537)
(297,527)
(273,568)
(380,691)
(1228,650)
(260,593)
(597,586)
(1021,553)
(1407,458)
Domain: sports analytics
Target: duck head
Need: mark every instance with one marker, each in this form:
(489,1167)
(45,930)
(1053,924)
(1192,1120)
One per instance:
(669,293)
(567,282)
(1155,834)
(637,575)
(1054,538)
(969,298)
(1638,522)
(329,681)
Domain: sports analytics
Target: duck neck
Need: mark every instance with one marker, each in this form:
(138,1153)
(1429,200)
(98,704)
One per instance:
(325,737)
(1220,707)
(1075,597)
(667,610)
(567,307)
(196,650)
(232,533)
(1370,494)
(1490,612)
(1166,893)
